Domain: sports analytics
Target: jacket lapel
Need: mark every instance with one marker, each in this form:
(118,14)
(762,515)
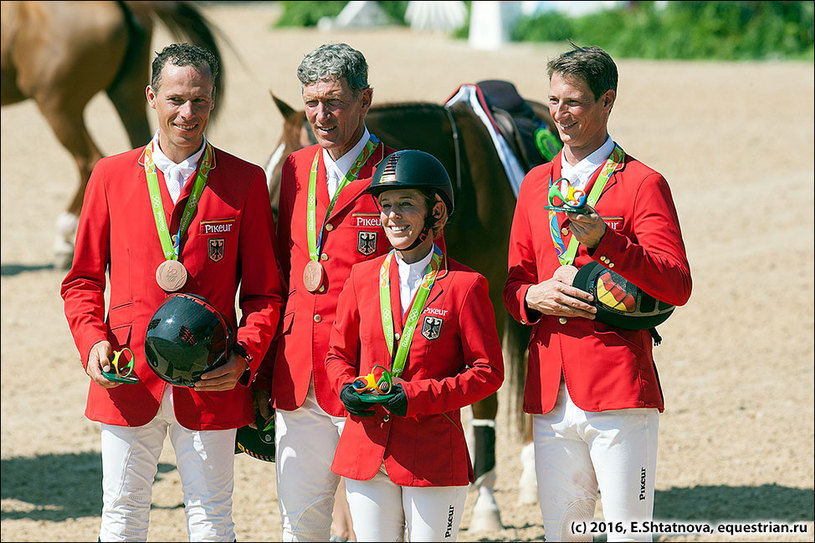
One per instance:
(354,189)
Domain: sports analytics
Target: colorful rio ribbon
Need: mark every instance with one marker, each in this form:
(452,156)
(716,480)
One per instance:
(564,197)
(370,384)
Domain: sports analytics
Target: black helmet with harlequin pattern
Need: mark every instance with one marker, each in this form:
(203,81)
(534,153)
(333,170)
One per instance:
(620,302)
(185,338)
(413,169)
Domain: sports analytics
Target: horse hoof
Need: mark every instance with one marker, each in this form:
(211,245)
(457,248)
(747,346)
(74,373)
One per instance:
(486,516)
(528,483)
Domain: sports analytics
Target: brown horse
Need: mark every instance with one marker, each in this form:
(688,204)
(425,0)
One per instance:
(61,54)
(477,234)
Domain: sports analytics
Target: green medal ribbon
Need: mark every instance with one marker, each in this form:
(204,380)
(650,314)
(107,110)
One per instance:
(567,255)
(171,251)
(311,217)
(398,361)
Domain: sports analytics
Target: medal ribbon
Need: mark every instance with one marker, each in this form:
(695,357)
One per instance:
(566,255)
(398,361)
(171,250)
(314,244)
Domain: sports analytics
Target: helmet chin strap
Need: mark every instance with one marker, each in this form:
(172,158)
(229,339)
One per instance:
(422,235)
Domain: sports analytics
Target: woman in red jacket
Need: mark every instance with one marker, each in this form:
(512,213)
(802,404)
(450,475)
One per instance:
(423,327)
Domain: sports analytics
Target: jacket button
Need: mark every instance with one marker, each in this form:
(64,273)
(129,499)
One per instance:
(317,318)
(386,418)
(323,256)
(329,227)
(396,335)
(562,320)
(565,231)
(611,264)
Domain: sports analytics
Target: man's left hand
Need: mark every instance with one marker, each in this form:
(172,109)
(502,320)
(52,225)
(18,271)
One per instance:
(223,377)
(588,228)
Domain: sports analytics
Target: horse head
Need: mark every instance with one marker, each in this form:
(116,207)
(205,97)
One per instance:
(295,136)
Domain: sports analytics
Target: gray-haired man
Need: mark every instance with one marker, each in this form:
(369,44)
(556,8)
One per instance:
(326,224)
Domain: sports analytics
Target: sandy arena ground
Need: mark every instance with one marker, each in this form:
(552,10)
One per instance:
(735,141)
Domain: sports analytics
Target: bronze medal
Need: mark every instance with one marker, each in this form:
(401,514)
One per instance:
(171,275)
(313,275)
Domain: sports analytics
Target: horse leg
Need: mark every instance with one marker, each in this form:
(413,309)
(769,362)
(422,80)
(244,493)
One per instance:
(516,338)
(127,90)
(69,127)
(486,515)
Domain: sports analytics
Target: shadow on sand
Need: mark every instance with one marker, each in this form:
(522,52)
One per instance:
(56,487)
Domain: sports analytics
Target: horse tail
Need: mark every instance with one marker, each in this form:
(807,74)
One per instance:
(183,20)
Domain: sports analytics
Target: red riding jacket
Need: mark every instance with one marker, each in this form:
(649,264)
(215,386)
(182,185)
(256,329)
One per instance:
(604,367)
(352,234)
(454,360)
(230,242)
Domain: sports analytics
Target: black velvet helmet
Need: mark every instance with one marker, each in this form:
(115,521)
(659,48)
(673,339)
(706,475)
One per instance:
(413,169)
(185,338)
(256,442)
(620,302)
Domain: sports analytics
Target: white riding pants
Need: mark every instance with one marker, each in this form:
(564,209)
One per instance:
(305,441)
(205,461)
(578,452)
(383,511)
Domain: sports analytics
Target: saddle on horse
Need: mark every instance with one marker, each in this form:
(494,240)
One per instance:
(522,139)
(519,124)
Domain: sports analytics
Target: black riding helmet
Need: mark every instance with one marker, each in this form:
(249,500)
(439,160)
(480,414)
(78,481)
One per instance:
(185,338)
(619,302)
(413,169)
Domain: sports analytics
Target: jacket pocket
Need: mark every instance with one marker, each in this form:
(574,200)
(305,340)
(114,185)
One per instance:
(285,325)
(121,336)
(615,337)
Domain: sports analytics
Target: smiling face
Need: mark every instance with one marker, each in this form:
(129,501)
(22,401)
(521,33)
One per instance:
(183,102)
(403,213)
(335,114)
(581,120)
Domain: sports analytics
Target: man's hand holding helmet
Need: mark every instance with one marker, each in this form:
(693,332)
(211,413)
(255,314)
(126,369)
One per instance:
(190,343)
(224,377)
(557,296)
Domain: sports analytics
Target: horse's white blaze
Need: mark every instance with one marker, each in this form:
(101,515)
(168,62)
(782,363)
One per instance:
(272,164)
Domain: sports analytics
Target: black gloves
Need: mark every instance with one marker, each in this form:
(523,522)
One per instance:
(398,403)
(353,403)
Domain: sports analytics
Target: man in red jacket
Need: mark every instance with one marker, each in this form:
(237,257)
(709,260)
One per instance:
(326,224)
(216,208)
(592,388)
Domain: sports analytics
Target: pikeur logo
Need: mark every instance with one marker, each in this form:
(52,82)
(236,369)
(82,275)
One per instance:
(642,484)
(366,221)
(450,514)
(216,227)
(615,223)
(436,311)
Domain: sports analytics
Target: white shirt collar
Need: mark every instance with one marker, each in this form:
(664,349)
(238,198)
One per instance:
(580,174)
(410,277)
(336,170)
(165,164)
(175,175)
